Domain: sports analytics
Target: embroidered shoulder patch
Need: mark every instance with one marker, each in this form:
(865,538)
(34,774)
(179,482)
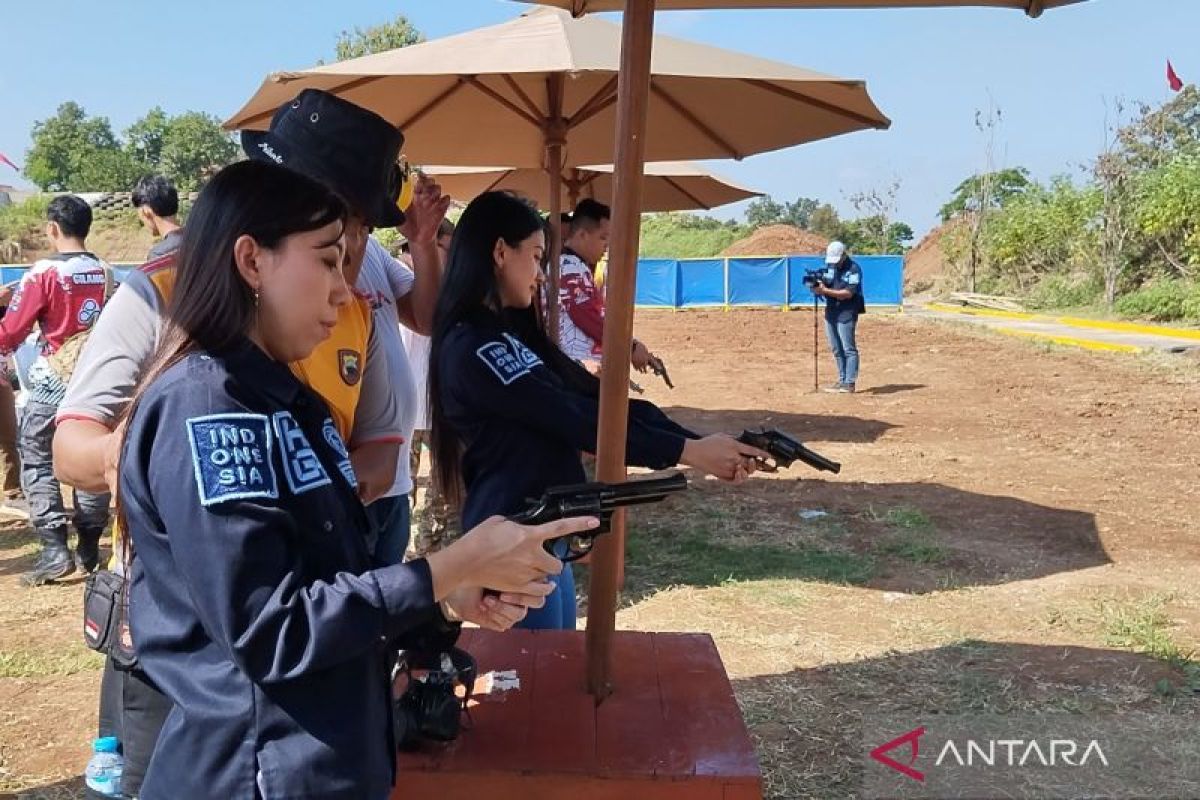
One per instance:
(334,440)
(301,467)
(853,279)
(509,360)
(231,457)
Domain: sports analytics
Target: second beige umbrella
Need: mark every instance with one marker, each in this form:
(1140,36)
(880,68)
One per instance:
(668,185)
(1033,8)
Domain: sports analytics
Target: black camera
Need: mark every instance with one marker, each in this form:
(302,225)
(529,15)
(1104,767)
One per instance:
(431,708)
(812,277)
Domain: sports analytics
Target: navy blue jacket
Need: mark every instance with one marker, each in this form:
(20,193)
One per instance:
(253,603)
(522,426)
(846,275)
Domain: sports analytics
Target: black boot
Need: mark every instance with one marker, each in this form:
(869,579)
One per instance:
(55,560)
(87,551)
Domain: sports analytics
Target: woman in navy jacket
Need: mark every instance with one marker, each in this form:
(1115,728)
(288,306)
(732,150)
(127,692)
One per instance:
(254,604)
(511,413)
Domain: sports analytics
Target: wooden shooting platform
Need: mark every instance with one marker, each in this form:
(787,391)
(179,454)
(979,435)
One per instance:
(671,730)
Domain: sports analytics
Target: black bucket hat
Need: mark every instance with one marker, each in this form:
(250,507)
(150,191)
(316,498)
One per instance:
(348,148)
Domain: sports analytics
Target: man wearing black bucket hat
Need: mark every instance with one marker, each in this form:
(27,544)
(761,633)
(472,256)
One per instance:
(354,152)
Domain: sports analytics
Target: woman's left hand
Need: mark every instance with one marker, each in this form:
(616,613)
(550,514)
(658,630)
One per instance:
(491,611)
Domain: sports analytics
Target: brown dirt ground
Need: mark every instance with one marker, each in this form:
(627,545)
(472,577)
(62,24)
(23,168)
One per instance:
(778,240)
(1056,488)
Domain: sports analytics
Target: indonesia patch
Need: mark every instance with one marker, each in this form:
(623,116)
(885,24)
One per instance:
(507,364)
(231,457)
(301,467)
(334,440)
(350,366)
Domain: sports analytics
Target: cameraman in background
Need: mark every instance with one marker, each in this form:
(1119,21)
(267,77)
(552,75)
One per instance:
(841,286)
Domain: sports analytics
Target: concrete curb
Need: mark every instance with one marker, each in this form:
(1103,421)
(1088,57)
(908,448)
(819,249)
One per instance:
(1076,322)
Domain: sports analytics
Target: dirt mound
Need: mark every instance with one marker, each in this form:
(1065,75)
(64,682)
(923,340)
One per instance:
(778,240)
(118,243)
(926,264)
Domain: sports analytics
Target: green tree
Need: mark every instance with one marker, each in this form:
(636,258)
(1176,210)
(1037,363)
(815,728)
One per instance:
(193,147)
(73,152)
(826,221)
(987,191)
(764,211)
(377,39)
(144,138)
(1168,211)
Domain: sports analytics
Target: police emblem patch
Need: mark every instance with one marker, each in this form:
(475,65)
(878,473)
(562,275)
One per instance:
(231,457)
(334,440)
(301,467)
(350,366)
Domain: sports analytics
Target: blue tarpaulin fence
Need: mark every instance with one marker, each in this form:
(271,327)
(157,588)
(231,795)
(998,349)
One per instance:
(708,282)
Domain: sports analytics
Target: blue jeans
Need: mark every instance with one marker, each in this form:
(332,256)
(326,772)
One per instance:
(559,612)
(389,518)
(845,351)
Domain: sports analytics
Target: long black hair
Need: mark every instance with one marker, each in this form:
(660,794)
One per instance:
(469,291)
(211,308)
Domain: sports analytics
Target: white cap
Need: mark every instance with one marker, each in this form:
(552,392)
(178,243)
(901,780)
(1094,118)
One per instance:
(835,253)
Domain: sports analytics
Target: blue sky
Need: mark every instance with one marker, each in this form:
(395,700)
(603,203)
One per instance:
(929,70)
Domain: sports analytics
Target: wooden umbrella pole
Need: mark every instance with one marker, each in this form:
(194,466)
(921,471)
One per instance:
(633,90)
(556,131)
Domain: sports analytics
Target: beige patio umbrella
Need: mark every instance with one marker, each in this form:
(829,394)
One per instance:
(637,46)
(540,91)
(1033,8)
(667,185)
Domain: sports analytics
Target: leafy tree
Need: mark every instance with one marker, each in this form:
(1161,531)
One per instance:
(193,147)
(377,39)
(1168,211)
(70,144)
(826,221)
(144,138)
(764,211)
(989,190)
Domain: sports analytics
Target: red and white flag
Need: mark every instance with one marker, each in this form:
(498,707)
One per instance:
(1173,78)
(4,160)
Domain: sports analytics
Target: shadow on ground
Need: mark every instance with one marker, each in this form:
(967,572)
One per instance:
(813,728)
(907,537)
(805,427)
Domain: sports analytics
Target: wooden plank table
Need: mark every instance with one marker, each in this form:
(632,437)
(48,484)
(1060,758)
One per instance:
(671,731)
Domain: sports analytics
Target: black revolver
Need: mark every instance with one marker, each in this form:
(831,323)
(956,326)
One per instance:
(784,450)
(593,500)
(660,369)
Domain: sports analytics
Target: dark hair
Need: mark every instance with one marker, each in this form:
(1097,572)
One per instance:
(588,214)
(72,215)
(469,290)
(211,308)
(158,193)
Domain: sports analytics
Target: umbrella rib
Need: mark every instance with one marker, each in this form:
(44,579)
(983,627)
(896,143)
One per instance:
(692,118)
(675,185)
(792,94)
(502,100)
(584,110)
(581,117)
(432,104)
(498,181)
(519,92)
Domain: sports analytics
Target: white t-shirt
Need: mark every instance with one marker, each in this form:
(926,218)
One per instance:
(417,347)
(383,281)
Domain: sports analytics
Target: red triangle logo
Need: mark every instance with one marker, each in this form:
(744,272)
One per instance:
(912,739)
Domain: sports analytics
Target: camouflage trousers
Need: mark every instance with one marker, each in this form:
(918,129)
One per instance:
(435,521)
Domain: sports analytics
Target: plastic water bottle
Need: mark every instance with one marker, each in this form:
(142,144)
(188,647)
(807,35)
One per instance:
(103,774)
